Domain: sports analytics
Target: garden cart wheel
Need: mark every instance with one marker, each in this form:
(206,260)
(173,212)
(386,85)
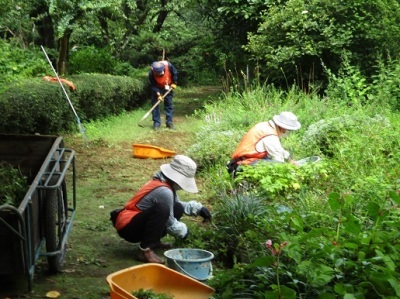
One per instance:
(56,215)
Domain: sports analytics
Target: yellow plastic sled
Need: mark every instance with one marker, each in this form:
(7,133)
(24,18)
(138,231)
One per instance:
(160,279)
(146,151)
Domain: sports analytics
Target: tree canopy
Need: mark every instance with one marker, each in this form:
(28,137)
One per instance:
(284,42)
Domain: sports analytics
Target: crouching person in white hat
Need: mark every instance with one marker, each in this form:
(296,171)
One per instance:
(155,210)
(262,142)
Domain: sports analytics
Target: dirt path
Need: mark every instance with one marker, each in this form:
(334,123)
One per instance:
(107,176)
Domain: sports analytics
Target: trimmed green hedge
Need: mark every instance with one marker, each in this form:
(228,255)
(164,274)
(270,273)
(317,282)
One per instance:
(39,106)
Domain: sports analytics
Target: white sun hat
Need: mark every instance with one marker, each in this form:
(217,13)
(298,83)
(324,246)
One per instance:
(287,120)
(182,170)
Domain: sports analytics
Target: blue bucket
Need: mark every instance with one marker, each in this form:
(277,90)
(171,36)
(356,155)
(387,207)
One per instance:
(195,263)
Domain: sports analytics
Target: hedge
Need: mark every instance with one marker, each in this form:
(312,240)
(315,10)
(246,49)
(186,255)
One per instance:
(39,106)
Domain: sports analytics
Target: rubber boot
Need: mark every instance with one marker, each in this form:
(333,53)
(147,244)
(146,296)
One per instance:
(149,256)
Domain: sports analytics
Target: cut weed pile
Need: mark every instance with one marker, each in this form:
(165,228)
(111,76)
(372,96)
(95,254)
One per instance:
(107,176)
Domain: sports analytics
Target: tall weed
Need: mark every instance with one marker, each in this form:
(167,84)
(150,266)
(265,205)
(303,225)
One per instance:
(337,218)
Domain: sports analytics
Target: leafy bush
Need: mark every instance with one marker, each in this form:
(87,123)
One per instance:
(304,32)
(331,224)
(38,106)
(349,86)
(282,180)
(327,135)
(17,64)
(355,253)
(34,106)
(211,148)
(102,95)
(386,84)
(91,60)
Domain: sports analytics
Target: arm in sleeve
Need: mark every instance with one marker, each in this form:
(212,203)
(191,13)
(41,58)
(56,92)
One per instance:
(273,146)
(191,208)
(177,228)
(174,227)
(174,73)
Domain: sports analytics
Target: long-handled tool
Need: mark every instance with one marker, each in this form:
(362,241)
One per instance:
(81,128)
(154,106)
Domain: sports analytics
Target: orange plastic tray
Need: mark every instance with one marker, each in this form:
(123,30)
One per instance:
(160,279)
(146,151)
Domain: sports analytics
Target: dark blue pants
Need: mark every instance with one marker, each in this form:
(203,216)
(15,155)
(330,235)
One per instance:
(168,108)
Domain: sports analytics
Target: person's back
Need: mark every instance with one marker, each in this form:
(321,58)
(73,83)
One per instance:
(262,142)
(246,152)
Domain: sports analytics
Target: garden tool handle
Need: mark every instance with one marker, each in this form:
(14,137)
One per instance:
(155,105)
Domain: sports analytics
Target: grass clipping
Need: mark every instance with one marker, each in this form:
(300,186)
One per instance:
(13,185)
(150,294)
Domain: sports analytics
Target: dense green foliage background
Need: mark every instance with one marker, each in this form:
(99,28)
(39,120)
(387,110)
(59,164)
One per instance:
(324,230)
(281,42)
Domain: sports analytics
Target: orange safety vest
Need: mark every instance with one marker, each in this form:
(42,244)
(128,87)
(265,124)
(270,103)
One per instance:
(165,79)
(246,152)
(131,210)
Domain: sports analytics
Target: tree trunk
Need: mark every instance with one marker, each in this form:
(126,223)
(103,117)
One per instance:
(63,54)
(43,24)
(162,15)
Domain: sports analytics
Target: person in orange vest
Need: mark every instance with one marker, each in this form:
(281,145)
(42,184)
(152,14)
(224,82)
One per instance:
(163,76)
(155,210)
(263,142)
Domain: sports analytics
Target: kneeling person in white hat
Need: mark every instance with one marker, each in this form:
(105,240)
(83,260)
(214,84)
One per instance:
(262,142)
(155,210)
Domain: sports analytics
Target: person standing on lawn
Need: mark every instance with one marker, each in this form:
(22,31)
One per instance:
(155,210)
(163,76)
(262,142)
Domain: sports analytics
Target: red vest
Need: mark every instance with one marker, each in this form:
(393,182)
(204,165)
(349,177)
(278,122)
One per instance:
(131,210)
(165,79)
(246,151)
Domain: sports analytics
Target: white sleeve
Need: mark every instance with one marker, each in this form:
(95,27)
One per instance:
(273,146)
(177,229)
(191,208)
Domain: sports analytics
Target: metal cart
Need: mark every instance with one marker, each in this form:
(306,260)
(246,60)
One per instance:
(40,225)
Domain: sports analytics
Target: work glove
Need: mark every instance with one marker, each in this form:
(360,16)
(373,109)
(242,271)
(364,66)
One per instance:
(173,86)
(205,214)
(160,98)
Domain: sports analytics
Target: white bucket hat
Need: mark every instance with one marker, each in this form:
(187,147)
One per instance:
(182,170)
(287,120)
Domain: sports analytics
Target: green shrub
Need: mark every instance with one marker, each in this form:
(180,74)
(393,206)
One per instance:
(35,106)
(17,64)
(333,224)
(38,106)
(91,60)
(327,135)
(211,148)
(386,84)
(101,95)
(353,253)
(283,180)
